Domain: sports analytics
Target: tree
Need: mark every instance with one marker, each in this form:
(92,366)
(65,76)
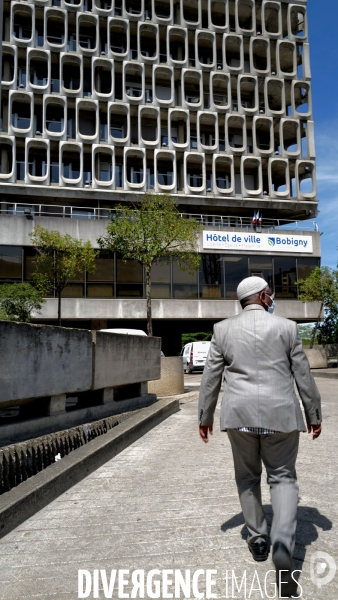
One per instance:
(152,231)
(328,331)
(321,286)
(18,300)
(59,259)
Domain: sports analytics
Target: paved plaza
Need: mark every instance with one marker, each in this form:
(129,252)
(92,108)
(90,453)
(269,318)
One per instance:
(170,502)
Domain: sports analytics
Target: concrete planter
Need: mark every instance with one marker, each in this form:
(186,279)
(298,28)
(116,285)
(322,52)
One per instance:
(316,357)
(172,380)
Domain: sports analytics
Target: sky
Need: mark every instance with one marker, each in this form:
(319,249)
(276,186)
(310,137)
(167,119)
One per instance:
(323,36)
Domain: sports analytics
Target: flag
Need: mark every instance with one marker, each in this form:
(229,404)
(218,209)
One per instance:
(254,218)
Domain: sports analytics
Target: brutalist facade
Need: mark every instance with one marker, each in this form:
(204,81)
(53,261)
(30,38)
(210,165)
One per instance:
(208,100)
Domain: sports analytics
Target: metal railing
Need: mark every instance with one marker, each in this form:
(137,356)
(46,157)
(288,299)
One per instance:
(81,212)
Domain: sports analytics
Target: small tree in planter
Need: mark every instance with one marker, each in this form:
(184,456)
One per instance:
(321,286)
(149,232)
(18,300)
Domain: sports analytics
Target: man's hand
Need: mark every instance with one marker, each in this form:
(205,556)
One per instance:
(316,430)
(204,432)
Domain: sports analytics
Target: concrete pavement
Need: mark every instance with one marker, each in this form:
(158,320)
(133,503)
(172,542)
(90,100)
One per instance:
(170,502)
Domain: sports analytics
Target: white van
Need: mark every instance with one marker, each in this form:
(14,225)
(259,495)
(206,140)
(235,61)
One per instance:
(125,331)
(194,356)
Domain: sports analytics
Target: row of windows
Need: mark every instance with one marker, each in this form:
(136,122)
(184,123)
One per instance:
(217,278)
(160,170)
(246,17)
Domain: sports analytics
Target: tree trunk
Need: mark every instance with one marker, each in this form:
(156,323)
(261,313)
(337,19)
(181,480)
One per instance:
(59,309)
(313,337)
(148,296)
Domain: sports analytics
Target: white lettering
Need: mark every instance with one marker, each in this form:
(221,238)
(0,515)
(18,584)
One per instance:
(108,589)
(137,579)
(255,589)
(157,586)
(195,590)
(233,578)
(84,577)
(182,584)
(274,585)
(165,582)
(209,581)
(123,582)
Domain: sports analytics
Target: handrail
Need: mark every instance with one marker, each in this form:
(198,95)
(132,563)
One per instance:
(85,212)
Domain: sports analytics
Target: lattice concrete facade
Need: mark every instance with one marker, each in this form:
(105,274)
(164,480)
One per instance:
(198,98)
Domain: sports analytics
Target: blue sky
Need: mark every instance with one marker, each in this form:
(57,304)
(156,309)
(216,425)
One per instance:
(323,19)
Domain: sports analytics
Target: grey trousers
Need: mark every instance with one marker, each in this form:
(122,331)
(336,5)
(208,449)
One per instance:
(278,453)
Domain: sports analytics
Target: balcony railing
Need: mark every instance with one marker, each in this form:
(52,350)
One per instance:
(85,212)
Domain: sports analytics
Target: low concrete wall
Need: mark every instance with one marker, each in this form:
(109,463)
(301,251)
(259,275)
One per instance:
(317,357)
(172,379)
(41,360)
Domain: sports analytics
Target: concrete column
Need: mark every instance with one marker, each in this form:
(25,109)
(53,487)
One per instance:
(108,395)
(98,324)
(144,388)
(57,404)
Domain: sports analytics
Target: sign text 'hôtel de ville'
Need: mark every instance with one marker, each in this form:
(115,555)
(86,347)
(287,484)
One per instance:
(261,242)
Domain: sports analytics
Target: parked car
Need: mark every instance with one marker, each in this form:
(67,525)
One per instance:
(125,331)
(194,356)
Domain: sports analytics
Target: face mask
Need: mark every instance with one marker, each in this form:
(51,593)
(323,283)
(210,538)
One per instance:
(271,308)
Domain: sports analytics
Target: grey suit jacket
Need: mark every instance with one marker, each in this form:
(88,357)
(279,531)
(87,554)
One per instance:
(260,356)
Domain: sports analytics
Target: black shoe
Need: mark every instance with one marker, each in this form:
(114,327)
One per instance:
(282,560)
(259,550)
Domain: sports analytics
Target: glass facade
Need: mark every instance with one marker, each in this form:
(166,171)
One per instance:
(217,277)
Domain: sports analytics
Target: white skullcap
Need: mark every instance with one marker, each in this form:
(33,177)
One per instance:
(251,285)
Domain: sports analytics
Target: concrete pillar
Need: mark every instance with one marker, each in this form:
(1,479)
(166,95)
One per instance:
(108,395)
(144,388)
(57,404)
(98,324)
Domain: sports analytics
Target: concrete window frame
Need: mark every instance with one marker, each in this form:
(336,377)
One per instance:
(303,169)
(200,158)
(109,65)
(188,101)
(286,44)
(211,37)
(60,14)
(284,163)
(214,76)
(103,149)
(230,121)
(211,118)
(9,141)
(9,50)
(250,4)
(72,147)
(191,24)
(295,124)
(72,7)
(68,58)
(158,155)
(122,24)
(260,42)
(238,41)
(256,122)
(119,108)
(33,143)
(177,31)
(159,70)
(247,192)
(270,81)
(275,6)
(103,12)
(301,9)
(153,111)
(24,9)
(211,8)
(306,86)
(132,16)
(230,191)
(129,70)
(181,115)
(150,27)
(93,106)
(92,20)
(242,108)
(56,101)
(162,20)
(136,153)
(43,54)
(18,96)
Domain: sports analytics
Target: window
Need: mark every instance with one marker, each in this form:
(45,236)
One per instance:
(211,277)
(285,276)
(160,280)
(185,284)
(235,269)
(10,262)
(305,266)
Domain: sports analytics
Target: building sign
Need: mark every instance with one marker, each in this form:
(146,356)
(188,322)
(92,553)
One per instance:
(260,242)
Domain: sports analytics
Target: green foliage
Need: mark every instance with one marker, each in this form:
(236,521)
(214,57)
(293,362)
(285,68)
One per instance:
(150,232)
(321,286)
(18,300)
(328,331)
(60,258)
(200,336)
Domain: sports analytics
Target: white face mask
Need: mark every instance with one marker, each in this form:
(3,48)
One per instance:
(271,308)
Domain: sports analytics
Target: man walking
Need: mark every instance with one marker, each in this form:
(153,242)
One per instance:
(260,356)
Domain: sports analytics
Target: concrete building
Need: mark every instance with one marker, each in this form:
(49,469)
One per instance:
(209,100)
